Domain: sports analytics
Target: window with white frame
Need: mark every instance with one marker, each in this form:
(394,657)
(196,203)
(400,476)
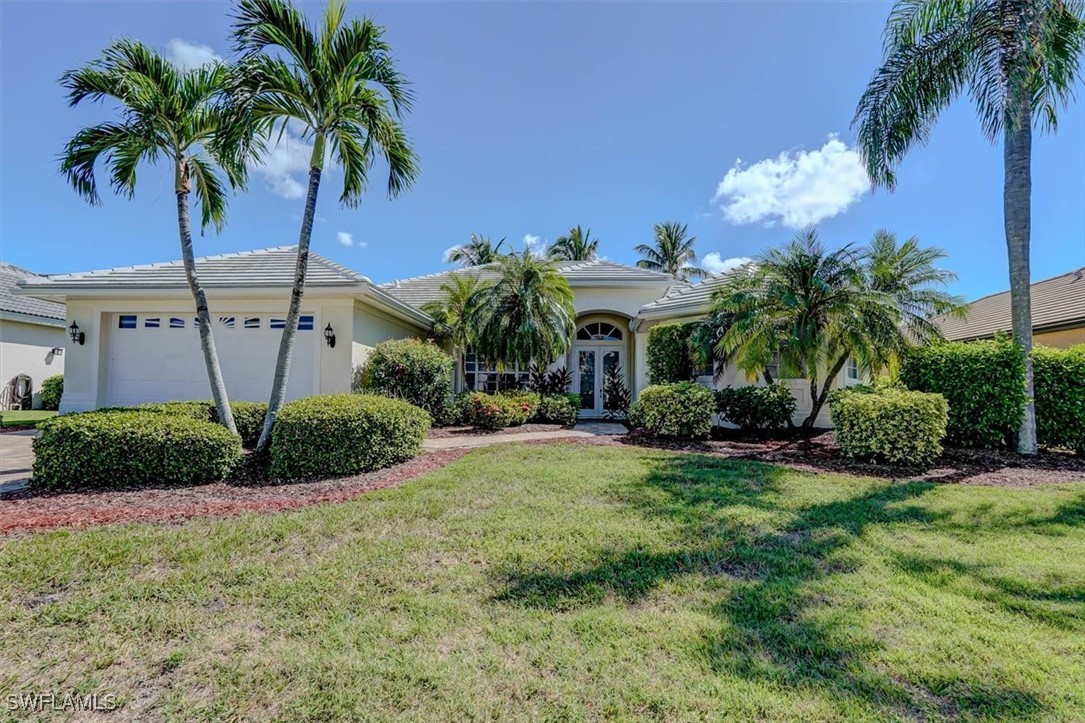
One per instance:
(852,371)
(482,377)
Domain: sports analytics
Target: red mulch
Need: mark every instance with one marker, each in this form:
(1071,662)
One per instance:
(31,509)
(443,432)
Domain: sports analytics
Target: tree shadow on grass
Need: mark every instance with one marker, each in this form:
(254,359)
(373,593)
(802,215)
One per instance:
(734,522)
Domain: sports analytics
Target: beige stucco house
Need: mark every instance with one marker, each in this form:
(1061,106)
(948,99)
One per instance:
(141,341)
(31,335)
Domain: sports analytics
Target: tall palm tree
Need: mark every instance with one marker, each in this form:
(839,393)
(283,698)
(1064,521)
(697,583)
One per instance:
(182,117)
(527,315)
(337,84)
(479,251)
(672,252)
(456,314)
(1019,62)
(576,245)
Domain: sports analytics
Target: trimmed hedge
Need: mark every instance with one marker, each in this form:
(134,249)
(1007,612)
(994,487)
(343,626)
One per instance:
(754,407)
(497,411)
(416,371)
(670,353)
(248,416)
(1058,377)
(681,410)
(120,448)
(523,405)
(342,434)
(52,388)
(558,409)
(983,382)
(894,426)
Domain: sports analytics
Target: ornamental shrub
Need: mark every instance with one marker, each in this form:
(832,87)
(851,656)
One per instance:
(557,409)
(754,407)
(51,390)
(487,411)
(1058,378)
(120,448)
(670,353)
(894,426)
(248,416)
(983,382)
(342,434)
(522,405)
(616,395)
(681,410)
(413,370)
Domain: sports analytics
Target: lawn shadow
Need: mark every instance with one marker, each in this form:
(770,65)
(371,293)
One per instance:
(775,626)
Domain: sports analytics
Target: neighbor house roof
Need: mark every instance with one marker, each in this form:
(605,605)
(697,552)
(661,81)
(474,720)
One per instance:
(687,300)
(26,308)
(422,289)
(1057,303)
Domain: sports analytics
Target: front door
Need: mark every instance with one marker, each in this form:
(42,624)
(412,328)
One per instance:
(592,361)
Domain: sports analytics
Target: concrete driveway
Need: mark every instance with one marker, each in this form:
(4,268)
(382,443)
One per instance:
(16,458)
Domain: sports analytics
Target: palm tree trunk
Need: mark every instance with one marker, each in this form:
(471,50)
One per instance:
(1016,199)
(818,398)
(207,337)
(301,268)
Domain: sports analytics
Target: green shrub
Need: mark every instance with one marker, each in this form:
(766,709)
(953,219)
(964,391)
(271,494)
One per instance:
(983,382)
(248,416)
(413,370)
(487,411)
(616,395)
(753,407)
(558,409)
(51,390)
(342,434)
(119,448)
(670,353)
(894,426)
(522,405)
(674,410)
(1058,378)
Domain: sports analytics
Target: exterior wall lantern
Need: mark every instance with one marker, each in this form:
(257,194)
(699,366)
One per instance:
(78,337)
(329,336)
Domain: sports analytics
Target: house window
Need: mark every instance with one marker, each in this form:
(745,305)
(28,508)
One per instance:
(305,323)
(152,323)
(176,323)
(479,377)
(277,324)
(252,322)
(227,321)
(127,321)
(852,372)
(599,331)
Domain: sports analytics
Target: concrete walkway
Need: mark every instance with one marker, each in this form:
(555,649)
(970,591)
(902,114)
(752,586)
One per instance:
(583,429)
(16,459)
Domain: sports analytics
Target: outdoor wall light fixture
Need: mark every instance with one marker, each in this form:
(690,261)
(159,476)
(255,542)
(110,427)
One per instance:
(77,336)
(329,336)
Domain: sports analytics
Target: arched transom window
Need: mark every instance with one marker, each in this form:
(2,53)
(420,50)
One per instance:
(599,331)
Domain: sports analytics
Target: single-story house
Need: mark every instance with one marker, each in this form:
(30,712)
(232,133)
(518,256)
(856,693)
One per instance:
(31,335)
(1058,313)
(140,341)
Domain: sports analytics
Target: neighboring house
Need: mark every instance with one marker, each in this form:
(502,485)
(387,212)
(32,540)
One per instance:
(141,343)
(1058,313)
(31,335)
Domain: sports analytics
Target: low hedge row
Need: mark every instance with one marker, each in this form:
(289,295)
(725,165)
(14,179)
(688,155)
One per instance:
(889,425)
(248,416)
(682,410)
(1058,379)
(756,407)
(497,411)
(342,434)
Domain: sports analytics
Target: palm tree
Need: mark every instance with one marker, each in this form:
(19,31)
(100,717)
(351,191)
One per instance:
(339,85)
(456,313)
(672,252)
(183,117)
(811,309)
(479,251)
(576,245)
(527,315)
(1019,62)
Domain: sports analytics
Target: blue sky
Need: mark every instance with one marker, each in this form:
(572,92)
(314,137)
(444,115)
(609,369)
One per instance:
(533,118)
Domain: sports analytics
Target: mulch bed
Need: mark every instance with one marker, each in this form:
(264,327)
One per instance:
(445,432)
(31,509)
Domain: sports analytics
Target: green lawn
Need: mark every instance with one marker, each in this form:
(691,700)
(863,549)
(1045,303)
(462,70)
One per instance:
(24,417)
(573,582)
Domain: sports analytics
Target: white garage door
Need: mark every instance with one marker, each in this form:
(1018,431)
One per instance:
(157,357)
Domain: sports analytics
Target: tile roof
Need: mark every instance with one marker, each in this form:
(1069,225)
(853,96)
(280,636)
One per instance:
(693,299)
(1056,302)
(263,267)
(12,303)
(422,289)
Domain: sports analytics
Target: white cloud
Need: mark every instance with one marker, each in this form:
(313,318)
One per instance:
(534,244)
(190,55)
(347,239)
(287,158)
(447,257)
(794,189)
(716,264)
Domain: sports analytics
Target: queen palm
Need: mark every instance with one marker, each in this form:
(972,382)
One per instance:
(527,315)
(181,117)
(672,252)
(1019,62)
(456,314)
(479,251)
(338,86)
(576,245)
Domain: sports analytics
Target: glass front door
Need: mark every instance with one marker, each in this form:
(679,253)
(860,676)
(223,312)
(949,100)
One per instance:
(592,364)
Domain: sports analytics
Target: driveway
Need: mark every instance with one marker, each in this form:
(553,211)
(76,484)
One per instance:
(16,458)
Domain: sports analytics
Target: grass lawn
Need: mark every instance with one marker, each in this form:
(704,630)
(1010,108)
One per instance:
(573,582)
(24,417)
